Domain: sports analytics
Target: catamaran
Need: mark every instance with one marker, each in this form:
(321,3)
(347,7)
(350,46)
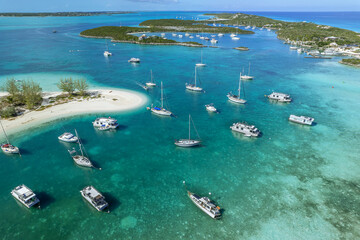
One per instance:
(94,197)
(151,83)
(247,77)
(161,110)
(280,97)
(80,160)
(246,129)
(193,87)
(205,204)
(104,122)
(188,142)
(7,147)
(201,64)
(107,53)
(235,98)
(25,195)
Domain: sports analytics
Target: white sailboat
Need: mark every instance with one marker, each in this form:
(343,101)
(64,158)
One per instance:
(193,87)
(107,53)
(188,142)
(151,83)
(161,110)
(201,64)
(247,77)
(7,147)
(235,98)
(80,160)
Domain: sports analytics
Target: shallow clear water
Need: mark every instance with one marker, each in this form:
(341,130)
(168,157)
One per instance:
(295,182)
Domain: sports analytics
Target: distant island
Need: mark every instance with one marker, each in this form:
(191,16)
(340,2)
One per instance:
(351,62)
(126,34)
(61,14)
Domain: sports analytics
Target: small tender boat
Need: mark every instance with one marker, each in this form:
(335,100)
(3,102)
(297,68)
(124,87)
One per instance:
(94,197)
(103,121)
(188,142)
(68,137)
(134,60)
(80,160)
(7,147)
(293,48)
(193,87)
(235,98)
(232,35)
(301,120)
(210,107)
(174,34)
(25,195)
(235,38)
(246,129)
(247,77)
(205,205)
(161,110)
(280,97)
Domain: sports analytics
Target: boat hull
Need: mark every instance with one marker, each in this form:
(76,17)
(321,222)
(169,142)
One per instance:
(161,112)
(247,77)
(200,64)
(194,89)
(236,100)
(10,150)
(213,216)
(82,161)
(186,143)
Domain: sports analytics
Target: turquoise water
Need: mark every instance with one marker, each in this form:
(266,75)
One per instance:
(295,182)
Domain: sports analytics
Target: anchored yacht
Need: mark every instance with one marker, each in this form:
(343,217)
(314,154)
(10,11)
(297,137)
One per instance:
(68,137)
(246,129)
(193,87)
(134,60)
(301,120)
(151,83)
(280,97)
(235,98)
(205,204)
(210,107)
(7,147)
(220,34)
(235,38)
(247,77)
(201,64)
(94,197)
(80,160)
(213,41)
(25,195)
(107,53)
(188,142)
(232,35)
(103,122)
(161,110)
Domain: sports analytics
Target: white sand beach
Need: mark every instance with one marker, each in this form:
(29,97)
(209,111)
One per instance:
(111,100)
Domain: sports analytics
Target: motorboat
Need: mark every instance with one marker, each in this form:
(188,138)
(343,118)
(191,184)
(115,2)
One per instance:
(301,120)
(68,137)
(220,35)
(235,38)
(134,60)
(210,107)
(188,142)
(213,41)
(246,129)
(94,197)
(103,121)
(25,196)
(206,205)
(280,97)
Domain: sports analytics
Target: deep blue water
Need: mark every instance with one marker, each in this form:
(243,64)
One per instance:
(294,182)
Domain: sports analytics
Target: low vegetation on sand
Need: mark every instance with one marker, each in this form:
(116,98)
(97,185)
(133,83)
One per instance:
(351,61)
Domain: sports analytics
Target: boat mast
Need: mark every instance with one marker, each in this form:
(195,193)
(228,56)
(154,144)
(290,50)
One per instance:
(189,127)
(239,85)
(195,76)
(82,154)
(201,56)
(151,80)
(162,101)
(249,69)
(7,139)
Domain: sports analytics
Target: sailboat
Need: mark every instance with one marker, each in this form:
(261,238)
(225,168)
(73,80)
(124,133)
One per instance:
(247,77)
(161,110)
(80,160)
(234,98)
(7,147)
(188,142)
(107,53)
(201,64)
(151,83)
(193,87)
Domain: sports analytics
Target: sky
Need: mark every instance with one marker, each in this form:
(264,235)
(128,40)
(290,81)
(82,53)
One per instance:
(178,5)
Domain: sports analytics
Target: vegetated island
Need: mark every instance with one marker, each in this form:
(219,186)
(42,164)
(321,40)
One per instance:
(60,14)
(23,104)
(351,62)
(242,48)
(125,34)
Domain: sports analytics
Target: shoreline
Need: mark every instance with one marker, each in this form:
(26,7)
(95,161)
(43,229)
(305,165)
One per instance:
(350,64)
(136,42)
(111,101)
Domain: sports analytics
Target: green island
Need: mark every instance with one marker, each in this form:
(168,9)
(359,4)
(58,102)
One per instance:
(60,14)
(298,33)
(351,62)
(242,48)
